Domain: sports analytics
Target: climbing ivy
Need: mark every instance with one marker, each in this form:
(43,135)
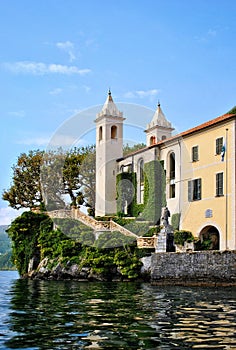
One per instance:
(127,191)
(154,191)
(175,219)
(24,233)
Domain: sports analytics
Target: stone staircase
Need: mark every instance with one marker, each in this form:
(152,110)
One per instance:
(97,226)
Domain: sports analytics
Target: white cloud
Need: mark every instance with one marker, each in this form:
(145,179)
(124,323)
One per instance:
(87,88)
(55,141)
(210,34)
(63,140)
(142,93)
(19,114)
(55,91)
(129,94)
(147,93)
(39,68)
(9,214)
(68,47)
(34,141)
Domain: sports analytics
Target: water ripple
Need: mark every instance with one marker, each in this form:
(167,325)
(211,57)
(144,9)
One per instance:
(53,315)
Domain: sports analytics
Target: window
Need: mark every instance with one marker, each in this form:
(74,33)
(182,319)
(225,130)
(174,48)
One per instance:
(100,133)
(194,190)
(141,173)
(140,181)
(195,154)
(122,168)
(114,132)
(219,145)
(172,174)
(163,137)
(219,185)
(152,140)
(172,191)
(172,165)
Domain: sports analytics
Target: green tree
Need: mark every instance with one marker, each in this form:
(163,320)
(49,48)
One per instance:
(25,191)
(24,233)
(53,179)
(69,174)
(232,111)
(88,179)
(129,149)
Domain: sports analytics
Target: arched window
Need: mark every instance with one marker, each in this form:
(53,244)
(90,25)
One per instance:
(172,174)
(100,133)
(113,132)
(141,173)
(152,140)
(140,181)
(163,137)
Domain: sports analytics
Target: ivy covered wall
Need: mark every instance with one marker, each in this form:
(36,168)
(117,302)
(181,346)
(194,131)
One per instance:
(154,192)
(127,191)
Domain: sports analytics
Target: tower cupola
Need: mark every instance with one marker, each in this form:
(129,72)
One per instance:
(159,128)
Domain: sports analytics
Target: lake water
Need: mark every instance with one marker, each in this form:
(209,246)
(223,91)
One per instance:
(75,315)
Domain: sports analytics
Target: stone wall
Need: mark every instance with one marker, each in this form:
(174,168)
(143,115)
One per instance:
(194,268)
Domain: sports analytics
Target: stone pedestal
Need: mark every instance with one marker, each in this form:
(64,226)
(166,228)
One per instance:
(165,240)
(161,242)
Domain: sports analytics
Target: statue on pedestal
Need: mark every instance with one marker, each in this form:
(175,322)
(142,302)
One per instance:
(165,216)
(168,230)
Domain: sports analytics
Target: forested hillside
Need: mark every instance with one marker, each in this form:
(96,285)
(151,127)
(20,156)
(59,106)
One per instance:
(5,244)
(5,249)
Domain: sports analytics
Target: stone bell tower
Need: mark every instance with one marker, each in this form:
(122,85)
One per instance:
(159,128)
(109,147)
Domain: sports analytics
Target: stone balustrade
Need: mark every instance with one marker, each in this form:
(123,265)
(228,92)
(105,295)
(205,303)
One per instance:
(60,214)
(116,227)
(146,242)
(96,225)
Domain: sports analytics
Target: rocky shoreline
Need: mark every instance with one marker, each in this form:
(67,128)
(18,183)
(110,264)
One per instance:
(86,274)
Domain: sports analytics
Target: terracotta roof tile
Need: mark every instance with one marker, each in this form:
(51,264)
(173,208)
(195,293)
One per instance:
(200,127)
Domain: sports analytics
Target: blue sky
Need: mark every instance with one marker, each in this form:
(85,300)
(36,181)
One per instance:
(59,57)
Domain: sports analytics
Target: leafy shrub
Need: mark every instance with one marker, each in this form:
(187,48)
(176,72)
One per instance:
(183,236)
(24,233)
(152,231)
(175,219)
(113,239)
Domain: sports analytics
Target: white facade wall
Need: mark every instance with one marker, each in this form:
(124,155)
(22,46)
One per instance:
(173,202)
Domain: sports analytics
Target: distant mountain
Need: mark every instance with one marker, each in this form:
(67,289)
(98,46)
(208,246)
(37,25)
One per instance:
(5,249)
(3,228)
(5,243)
(5,262)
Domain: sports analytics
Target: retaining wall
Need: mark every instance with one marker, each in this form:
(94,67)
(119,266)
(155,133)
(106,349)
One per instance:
(194,268)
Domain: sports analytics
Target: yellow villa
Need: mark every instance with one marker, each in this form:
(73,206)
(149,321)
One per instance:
(199,167)
(205,177)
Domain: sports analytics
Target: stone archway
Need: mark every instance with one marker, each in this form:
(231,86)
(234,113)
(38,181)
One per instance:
(211,237)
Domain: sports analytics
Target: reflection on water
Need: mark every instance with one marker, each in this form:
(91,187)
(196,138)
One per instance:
(73,315)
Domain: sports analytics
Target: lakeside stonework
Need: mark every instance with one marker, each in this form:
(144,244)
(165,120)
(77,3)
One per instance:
(210,268)
(200,268)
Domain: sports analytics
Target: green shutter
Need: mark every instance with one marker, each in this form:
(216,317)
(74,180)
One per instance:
(190,191)
(199,189)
